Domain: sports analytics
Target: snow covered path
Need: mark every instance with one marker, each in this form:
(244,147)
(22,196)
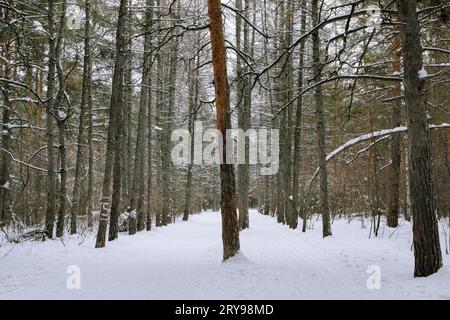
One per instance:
(183,261)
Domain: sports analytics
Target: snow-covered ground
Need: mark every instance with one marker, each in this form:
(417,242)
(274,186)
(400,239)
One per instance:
(183,261)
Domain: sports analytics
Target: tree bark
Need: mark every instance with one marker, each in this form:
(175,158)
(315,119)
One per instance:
(394,169)
(298,125)
(91,178)
(289,209)
(279,190)
(113,157)
(193,100)
(321,135)
(136,220)
(427,250)
(149,16)
(407,202)
(51,182)
(230,228)
(167,129)
(126,136)
(60,119)
(75,210)
(5,184)
(160,105)
(5,158)
(244,107)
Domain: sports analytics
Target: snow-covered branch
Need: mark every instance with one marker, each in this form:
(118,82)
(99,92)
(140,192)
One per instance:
(368,136)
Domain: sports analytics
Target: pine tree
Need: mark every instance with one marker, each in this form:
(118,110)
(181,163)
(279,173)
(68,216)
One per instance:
(427,250)
(230,229)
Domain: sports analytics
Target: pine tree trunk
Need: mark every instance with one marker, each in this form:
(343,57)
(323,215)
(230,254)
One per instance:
(142,219)
(51,183)
(407,202)
(290,212)
(279,190)
(372,181)
(122,123)
(61,126)
(394,169)
(113,157)
(88,62)
(230,228)
(136,221)
(193,100)
(290,219)
(244,107)
(5,158)
(63,184)
(5,209)
(149,18)
(321,135)
(165,151)
(427,250)
(160,105)
(75,210)
(126,137)
(91,178)
(298,123)
(300,102)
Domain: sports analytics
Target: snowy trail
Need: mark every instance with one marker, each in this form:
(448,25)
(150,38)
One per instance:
(183,261)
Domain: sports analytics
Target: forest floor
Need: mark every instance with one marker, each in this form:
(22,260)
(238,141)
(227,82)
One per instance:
(183,261)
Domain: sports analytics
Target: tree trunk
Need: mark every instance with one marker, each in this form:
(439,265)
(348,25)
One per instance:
(113,158)
(63,184)
(427,250)
(5,158)
(230,228)
(51,182)
(5,184)
(126,137)
(61,127)
(394,170)
(91,178)
(90,187)
(279,191)
(150,205)
(321,135)
(193,100)
(289,208)
(75,210)
(244,107)
(299,116)
(407,202)
(160,105)
(166,137)
(372,181)
(149,16)
(136,220)
(298,123)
